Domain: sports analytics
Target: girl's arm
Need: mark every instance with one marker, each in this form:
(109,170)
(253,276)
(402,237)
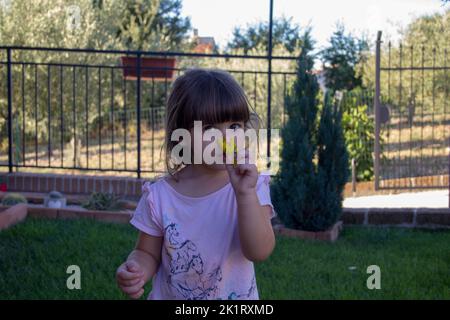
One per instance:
(147,254)
(255,229)
(141,265)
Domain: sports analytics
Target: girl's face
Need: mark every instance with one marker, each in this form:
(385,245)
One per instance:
(222,127)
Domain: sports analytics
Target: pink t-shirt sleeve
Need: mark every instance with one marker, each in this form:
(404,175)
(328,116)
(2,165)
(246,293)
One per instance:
(145,217)
(263,193)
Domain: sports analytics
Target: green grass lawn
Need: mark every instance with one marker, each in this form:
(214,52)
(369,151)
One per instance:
(34,256)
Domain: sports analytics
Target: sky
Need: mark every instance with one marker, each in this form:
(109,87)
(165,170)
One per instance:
(217,18)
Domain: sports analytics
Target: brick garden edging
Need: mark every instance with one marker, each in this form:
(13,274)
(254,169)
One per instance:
(427,218)
(9,216)
(402,217)
(329,235)
(69,213)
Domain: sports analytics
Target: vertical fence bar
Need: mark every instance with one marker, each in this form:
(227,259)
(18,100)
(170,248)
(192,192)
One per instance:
(284,100)
(49,146)
(100,116)
(353,177)
(389,173)
(9,94)
(443,122)
(61,105)
(254,91)
(398,173)
(433,111)
(112,118)
(152,117)
(125,123)
(422,171)
(74,116)
(412,108)
(86,106)
(269,82)
(377,112)
(138,114)
(23,114)
(445,119)
(35,115)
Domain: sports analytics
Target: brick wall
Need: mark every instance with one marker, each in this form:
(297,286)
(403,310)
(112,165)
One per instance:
(72,184)
(404,217)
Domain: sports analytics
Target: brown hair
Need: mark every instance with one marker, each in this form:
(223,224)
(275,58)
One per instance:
(207,95)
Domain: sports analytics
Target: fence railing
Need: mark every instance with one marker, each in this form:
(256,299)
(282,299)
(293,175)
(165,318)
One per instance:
(412,135)
(91,110)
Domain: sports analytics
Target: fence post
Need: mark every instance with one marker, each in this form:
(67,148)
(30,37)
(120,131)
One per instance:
(9,97)
(353,177)
(269,82)
(377,112)
(138,114)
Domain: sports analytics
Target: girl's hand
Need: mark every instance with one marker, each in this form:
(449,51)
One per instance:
(243,177)
(130,279)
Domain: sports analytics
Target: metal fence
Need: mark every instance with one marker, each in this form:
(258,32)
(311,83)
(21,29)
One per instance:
(412,133)
(75,109)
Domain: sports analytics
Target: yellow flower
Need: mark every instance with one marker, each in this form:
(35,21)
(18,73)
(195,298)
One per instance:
(229,148)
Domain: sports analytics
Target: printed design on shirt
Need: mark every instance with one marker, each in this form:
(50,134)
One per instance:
(186,268)
(234,296)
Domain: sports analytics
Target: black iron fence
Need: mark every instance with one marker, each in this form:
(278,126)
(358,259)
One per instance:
(412,135)
(103,110)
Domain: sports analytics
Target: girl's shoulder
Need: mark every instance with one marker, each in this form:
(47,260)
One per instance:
(153,185)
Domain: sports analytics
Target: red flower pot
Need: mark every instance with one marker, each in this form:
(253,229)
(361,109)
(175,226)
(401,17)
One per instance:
(3,187)
(152,68)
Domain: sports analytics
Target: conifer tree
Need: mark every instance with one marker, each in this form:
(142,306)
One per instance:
(314,163)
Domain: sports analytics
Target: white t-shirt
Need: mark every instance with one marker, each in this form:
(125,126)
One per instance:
(201,257)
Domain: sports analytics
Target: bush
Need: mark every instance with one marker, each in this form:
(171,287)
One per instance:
(359,139)
(102,201)
(307,191)
(13,198)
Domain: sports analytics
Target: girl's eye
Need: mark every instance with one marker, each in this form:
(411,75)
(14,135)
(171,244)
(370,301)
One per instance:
(235,126)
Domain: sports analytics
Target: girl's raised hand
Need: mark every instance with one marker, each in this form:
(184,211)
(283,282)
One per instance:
(243,176)
(130,279)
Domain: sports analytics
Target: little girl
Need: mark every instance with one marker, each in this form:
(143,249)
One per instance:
(202,225)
